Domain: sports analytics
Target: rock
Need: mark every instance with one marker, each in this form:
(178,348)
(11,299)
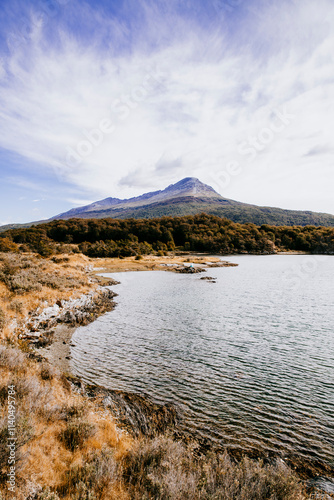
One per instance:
(69,317)
(223,263)
(111,282)
(137,412)
(190,270)
(73,312)
(323,484)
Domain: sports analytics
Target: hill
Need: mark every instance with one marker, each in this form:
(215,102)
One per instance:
(190,197)
(135,237)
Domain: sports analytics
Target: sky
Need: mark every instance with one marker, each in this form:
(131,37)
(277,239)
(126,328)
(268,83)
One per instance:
(117,98)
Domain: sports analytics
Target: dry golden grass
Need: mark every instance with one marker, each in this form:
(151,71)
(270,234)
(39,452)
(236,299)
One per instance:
(148,262)
(46,409)
(28,282)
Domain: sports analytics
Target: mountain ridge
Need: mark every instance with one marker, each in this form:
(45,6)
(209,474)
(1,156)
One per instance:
(189,196)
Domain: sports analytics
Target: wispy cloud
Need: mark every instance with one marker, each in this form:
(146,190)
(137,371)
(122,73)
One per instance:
(120,102)
(22,182)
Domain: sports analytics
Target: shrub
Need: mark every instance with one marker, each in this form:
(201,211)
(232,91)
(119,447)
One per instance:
(7,245)
(4,435)
(11,358)
(3,393)
(23,434)
(60,260)
(47,372)
(2,320)
(16,306)
(164,469)
(98,473)
(34,394)
(75,411)
(47,494)
(23,274)
(53,412)
(76,433)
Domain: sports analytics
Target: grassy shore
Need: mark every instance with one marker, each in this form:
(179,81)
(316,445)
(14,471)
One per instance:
(70,446)
(154,262)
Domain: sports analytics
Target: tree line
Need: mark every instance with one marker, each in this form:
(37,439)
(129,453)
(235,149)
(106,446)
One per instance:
(201,233)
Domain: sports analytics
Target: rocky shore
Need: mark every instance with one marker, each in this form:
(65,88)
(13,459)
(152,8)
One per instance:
(137,413)
(49,331)
(72,312)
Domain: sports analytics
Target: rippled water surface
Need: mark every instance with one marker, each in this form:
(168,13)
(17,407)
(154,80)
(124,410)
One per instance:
(248,359)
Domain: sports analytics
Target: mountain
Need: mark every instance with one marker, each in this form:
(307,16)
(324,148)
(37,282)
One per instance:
(189,197)
(189,187)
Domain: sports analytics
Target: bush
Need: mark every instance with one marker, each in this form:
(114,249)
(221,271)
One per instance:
(7,245)
(98,473)
(47,494)
(22,274)
(76,433)
(34,393)
(16,306)
(2,320)
(47,372)
(164,469)
(11,358)
(23,434)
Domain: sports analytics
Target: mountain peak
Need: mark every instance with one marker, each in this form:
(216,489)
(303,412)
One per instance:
(192,180)
(192,186)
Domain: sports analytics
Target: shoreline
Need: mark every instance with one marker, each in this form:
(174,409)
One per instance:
(134,413)
(132,409)
(58,342)
(159,263)
(41,315)
(58,353)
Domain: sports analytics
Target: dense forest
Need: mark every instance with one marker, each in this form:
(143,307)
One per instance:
(200,233)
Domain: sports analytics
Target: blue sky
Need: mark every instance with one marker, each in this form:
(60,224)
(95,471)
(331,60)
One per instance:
(117,98)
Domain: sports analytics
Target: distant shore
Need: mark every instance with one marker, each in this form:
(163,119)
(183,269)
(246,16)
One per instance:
(158,263)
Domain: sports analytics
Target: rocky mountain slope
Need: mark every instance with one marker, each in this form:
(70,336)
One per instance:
(189,197)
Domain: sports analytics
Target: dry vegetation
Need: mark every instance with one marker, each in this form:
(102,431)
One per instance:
(28,281)
(66,444)
(69,447)
(151,262)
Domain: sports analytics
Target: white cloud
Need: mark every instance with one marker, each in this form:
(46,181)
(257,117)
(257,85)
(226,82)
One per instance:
(79,202)
(182,108)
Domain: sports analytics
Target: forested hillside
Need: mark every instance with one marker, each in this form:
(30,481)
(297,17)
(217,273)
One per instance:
(201,233)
